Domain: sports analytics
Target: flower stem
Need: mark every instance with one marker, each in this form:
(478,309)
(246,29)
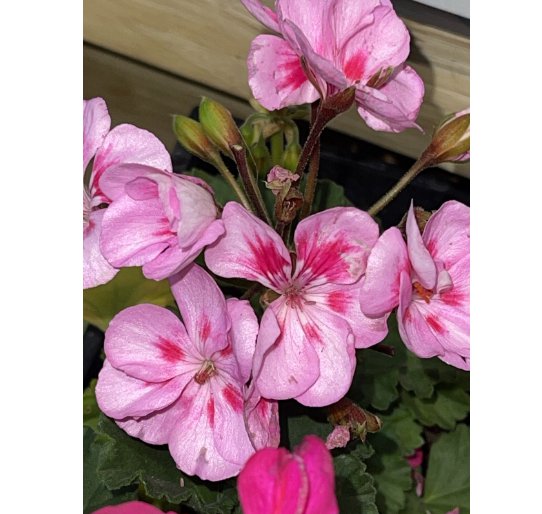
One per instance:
(312,179)
(230,179)
(277,147)
(251,187)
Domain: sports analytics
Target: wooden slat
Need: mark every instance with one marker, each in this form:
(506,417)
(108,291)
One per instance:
(207,42)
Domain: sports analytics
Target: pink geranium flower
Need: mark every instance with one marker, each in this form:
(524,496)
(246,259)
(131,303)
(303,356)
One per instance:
(275,481)
(123,144)
(185,385)
(308,334)
(325,46)
(428,279)
(158,220)
(133,507)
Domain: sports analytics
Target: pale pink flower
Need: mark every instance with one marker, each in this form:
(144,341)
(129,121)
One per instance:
(308,334)
(184,385)
(335,44)
(123,144)
(276,481)
(158,220)
(133,507)
(428,279)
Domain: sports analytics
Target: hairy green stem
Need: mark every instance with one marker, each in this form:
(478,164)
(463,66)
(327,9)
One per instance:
(312,179)
(230,179)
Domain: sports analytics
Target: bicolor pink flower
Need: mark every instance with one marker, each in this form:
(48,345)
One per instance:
(108,148)
(158,220)
(276,481)
(428,279)
(133,507)
(326,46)
(185,384)
(308,334)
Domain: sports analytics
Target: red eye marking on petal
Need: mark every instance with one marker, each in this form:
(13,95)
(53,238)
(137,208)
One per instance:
(434,323)
(205,329)
(268,260)
(338,301)
(453,298)
(290,75)
(211,411)
(354,67)
(312,332)
(426,294)
(233,397)
(169,350)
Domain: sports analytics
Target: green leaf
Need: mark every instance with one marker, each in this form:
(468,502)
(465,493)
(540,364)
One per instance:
(417,376)
(223,191)
(125,461)
(91,411)
(302,421)
(401,427)
(447,482)
(95,493)
(129,287)
(354,487)
(329,194)
(391,473)
(413,504)
(448,405)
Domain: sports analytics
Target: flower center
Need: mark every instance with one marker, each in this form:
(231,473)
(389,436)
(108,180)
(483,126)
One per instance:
(294,296)
(426,294)
(206,371)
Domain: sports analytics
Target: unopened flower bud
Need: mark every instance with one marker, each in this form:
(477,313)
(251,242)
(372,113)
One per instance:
(290,157)
(280,179)
(218,125)
(191,136)
(359,421)
(451,141)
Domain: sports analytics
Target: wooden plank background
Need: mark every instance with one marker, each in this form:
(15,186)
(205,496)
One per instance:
(168,53)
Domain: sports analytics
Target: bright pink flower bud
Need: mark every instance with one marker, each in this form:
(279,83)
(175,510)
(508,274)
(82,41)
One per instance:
(134,507)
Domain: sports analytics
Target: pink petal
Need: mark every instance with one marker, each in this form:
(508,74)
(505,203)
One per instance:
(243,333)
(380,287)
(275,74)
(338,438)
(273,482)
(332,339)
(262,420)
(174,259)
(420,258)
(333,246)
(133,507)
(96,125)
(96,270)
(319,468)
(447,233)
(128,144)
(262,13)
(149,343)
(192,442)
(285,362)
(249,249)
(348,17)
(230,431)
(135,231)
(203,308)
(120,395)
(394,107)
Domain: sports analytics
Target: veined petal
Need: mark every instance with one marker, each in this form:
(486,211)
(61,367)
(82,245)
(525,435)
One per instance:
(420,258)
(128,144)
(333,246)
(230,431)
(203,308)
(319,469)
(96,269)
(380,287)
(393,107)
(262,420)
(243,333)
(285,362)
(333,340)
(96,125)
(149,343)
(262,13)
(135,231)
(348,17)
(249,249)
(275,74)
(175,258)
(120,395)
(447,233)
(273,481)
(192,441)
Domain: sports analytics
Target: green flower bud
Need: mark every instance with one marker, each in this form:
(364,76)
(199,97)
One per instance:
(217,123)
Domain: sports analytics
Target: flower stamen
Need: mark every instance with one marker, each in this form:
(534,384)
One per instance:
(206,371)
(426,294)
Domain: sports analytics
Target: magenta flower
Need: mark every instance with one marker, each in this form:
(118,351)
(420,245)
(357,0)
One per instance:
(428,278)
(308,334)
(326,46)
(184,385)
(123,144)
(276,481)
(133,507)
(158,220)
